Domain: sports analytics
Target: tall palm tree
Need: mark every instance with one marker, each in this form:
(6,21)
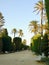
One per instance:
(1,20)
(39,7)
(20,32)
(14,31)
(33,26)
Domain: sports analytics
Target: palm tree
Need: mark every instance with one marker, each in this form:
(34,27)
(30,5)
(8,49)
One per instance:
(1,20)
(14,31)
(24,41)
(39,7)
(20,32)
(33,26)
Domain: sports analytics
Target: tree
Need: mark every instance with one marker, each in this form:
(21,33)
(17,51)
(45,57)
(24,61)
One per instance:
(1,22)
(39,7)
(33,26)
(24,41)
(20,32)
(17,41)
(4,32)
(35,43)
(14,31)
(47,9)
(6,43)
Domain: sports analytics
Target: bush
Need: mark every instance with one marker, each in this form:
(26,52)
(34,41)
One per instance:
(39,45)
(24,47)
(1,44)
(6,43)
(35,43)
(17,41)
(45,44)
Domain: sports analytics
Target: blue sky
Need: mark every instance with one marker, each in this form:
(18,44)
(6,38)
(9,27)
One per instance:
(18,14)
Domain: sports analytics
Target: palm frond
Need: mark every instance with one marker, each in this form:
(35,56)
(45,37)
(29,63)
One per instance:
(39,6)
(35,10)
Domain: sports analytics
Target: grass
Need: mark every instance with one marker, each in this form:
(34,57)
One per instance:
(46,60)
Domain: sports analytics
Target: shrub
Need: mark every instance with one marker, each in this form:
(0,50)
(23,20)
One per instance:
(24,47)
(6,43)
(45,44)
(35,43)
(1,44)
(17,41)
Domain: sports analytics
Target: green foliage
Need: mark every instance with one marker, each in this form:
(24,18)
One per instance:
(14,31)
(24,41)
(5,32)
(33,26)
(13,47)
(45,44)
(6,43)
(35,43)
(24,47)
(1,20)
(17,41)
(39,45)
(1,44)
(20,32)
(46,60)
(47,8)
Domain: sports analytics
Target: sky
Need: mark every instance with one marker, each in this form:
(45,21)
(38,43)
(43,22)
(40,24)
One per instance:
(18,14)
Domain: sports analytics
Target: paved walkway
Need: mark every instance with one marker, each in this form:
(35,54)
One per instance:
(19,58)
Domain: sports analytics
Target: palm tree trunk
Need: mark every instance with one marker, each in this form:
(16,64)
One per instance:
(42,21)
(41,30)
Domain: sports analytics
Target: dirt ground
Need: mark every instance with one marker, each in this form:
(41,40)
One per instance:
(19,58)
